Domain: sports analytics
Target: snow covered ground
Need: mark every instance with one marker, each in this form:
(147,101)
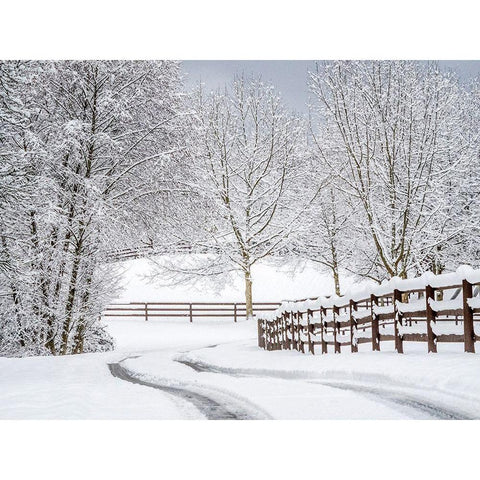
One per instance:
(271,283)
(81,386)
(213,369)
(290,385)
(234,372)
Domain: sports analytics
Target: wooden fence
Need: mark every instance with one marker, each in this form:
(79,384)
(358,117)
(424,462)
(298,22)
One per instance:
(141,251)
(192,310)
(445,313)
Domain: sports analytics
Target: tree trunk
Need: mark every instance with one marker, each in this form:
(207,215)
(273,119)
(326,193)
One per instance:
(72,290)
(79,338)
(337,282)
(15,294)
(248,295)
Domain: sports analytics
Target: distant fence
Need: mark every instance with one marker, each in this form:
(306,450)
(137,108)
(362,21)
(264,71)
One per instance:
(141,251)
(431,309)
(192,310)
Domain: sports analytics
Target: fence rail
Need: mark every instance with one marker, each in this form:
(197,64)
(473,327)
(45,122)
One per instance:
(431,314)
(120,255)
(183,309)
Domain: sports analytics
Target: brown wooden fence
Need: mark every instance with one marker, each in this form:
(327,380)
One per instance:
(192,310)
(432,315)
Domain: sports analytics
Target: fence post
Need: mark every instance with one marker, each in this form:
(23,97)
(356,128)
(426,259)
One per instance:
(397,297)
(277,333)
(288,341)
(299,335)
(353,325)
(311,347)
(375,330)
(324,344)
(295,331)
(301,343)
(468,330)
(292,325)
(273,334)
(146,312)
(191,313)
(261,343)
(265,332)
(280,332)
(431,316)
(270,335)
(335,311)
(235,312)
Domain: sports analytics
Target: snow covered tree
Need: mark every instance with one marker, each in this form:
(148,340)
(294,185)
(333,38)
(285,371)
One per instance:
(245,159)
(460,201)
(20,148)
(96,135)
(323,235)
(395,127)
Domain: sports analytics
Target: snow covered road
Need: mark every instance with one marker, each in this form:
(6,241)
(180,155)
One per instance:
(212,408)
(287,394)
(415,406)
(213,370)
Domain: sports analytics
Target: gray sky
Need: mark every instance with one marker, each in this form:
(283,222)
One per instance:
(288,76)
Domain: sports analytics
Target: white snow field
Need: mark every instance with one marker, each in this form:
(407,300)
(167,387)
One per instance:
(270,283)
(173,369)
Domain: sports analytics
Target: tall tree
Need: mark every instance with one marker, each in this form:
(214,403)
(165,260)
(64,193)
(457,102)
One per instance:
(245,160)
(396,126)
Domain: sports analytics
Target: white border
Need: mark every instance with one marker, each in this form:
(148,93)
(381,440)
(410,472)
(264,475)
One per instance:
(237,450)
(247,29)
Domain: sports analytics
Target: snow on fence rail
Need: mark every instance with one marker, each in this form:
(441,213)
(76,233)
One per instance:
(431,308)
(148,310)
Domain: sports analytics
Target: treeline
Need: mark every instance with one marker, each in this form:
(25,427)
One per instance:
(380,179)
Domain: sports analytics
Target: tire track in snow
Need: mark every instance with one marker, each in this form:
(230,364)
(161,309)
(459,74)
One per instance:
(385,395)
(400,398)
(211,408)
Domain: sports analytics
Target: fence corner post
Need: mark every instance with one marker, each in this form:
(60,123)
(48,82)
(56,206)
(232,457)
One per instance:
(191,313)
(261,341)
(146,312)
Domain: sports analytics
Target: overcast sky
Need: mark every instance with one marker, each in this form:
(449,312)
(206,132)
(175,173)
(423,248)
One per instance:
(288,76)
